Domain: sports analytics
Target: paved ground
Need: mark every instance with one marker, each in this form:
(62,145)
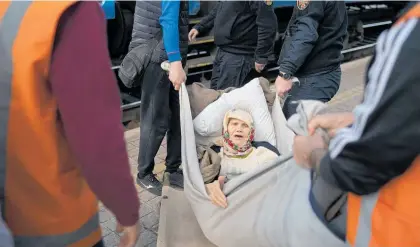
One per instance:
(349,95)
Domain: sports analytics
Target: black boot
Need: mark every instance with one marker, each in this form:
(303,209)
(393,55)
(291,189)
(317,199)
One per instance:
(150,183)
(177,178)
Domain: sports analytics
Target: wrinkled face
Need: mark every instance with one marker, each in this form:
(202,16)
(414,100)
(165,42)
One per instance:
(238,131)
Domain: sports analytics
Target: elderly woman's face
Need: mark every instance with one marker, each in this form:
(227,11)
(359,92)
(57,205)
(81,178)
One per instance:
(238,131)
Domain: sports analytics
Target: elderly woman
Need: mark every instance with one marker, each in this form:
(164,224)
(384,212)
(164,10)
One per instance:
(239,153)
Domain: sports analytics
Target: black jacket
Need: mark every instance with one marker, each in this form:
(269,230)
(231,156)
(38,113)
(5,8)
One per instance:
(243,27)
(314,38)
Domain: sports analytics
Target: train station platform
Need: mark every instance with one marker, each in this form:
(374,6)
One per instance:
(348,96)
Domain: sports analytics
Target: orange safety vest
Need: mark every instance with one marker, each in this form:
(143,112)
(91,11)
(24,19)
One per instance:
(47,202)
(391,216)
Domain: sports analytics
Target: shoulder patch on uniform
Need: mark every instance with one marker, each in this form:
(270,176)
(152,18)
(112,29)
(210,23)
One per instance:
(268,2)
(302,4)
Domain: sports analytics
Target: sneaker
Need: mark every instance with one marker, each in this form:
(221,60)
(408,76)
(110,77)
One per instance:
(150,183)
(177,179)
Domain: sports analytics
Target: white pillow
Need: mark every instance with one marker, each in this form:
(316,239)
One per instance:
(209,122)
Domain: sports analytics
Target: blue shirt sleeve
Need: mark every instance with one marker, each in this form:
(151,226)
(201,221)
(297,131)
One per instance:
(169,22)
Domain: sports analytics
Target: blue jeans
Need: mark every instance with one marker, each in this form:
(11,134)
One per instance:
(320,86)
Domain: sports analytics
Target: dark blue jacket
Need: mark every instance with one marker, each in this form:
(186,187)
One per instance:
(314,38)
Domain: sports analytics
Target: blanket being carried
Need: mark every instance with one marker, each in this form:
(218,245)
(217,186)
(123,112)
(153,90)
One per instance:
(268,206)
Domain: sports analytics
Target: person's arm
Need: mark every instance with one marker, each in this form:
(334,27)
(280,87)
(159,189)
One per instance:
(384,138)
(169,22)
(300,45)
(88,101)
(207,22)
(267,28)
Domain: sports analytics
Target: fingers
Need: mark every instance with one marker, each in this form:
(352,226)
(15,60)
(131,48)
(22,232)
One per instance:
(282,93)
(127,240)
(192,35)
(258,68)
(216,194)
(123,241)
(177,85)
(119,228)
(221,180)
(332,132)
(130,236)
(282,86)
(314,124)
(219,199)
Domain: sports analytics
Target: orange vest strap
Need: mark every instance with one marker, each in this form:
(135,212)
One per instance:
(414,12)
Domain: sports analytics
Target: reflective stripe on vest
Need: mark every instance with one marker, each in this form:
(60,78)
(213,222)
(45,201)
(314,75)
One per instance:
(364,226)
(60,240)
(9,27)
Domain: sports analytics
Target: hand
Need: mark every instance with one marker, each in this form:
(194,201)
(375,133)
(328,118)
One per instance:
(177,74)
(303,147)
(214,190)
(283,86)
(130,236)
(259,67)
(192,34)
(330,122)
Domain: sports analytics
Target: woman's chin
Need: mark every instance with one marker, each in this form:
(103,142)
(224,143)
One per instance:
(239,143)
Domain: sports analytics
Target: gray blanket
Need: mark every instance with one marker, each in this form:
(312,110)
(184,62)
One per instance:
(266,207)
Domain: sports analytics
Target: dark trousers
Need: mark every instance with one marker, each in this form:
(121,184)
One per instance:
(321,86)
(159,115)
(231,70)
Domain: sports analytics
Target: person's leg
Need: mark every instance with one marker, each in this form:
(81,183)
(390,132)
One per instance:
(154,114)
(215,74)
(173,158)
(320,87)
(233,70)
(247,71)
